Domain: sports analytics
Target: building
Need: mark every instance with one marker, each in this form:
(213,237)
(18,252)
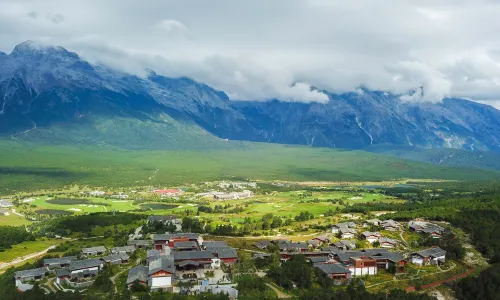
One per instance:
(139,274)
(116,259)
(92,251)
(347,233)
(186,246)
(31,274)
(433,256)
(233,196)
(371,237)
(168,192)
(337,227)
(152,254)
(53,263)
(161,274)
(389,260)
(124,249)
(335,271)
(420,226)
(166,220)
(362,265)
(78,266)
(162,241)
(140,244)
(4,203)
(293,247)
(388,243)
(212,245)
(193,259)
(374,222)
(262,244)
(313,243)
(228,256)
(390,225)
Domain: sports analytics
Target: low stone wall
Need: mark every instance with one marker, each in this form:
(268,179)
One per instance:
(78,284)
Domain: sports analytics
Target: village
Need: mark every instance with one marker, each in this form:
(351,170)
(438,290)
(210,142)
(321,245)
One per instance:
(194,240)
(186,262)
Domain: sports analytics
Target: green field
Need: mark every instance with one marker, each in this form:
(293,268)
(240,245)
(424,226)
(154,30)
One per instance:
(77,205)
(26,248)
(283,204)
(29,166)
(13,220)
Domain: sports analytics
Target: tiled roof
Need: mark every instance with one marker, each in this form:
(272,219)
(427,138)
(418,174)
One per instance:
(161,264)
(209,245)
(332,268)
(185,245)
(59,260)
(191,255)
(31,272)
(139,273)
(84,264)
(226,253)
(94,249)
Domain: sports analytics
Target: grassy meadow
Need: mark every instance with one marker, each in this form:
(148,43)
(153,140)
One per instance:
(30,166)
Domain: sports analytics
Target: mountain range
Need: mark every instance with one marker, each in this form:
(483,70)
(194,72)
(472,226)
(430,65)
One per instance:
(51,94)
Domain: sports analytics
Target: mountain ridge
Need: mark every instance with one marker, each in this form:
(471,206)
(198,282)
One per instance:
(42,86)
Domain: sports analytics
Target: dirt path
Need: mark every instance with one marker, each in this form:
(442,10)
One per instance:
(281,295)
(21,259)
(16,213)
(50,286)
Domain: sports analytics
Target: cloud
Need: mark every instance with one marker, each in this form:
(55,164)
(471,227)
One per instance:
(33,14)
(245,48)
(57,18)
(171,26)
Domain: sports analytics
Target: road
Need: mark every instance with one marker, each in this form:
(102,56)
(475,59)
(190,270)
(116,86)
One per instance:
(16,213)
(136,234)
(281,295)
(21,259)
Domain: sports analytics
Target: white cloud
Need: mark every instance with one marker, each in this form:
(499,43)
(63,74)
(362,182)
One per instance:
(258,49)
(171,26)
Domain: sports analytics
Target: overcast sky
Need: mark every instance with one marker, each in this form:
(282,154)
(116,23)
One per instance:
(258,49)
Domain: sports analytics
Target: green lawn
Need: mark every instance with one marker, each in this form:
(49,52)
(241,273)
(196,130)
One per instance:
(92,205)
(32,166)
(26,248)
(13,220)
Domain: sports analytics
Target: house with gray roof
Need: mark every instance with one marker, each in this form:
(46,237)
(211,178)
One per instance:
(116,259)
(433,256)
(334,271)
(123,249)
(386,242)
(140,244)
(139,274)
(371,237)
(78,266)
(211,245)
(185,246)
(432,229)
(347,232)
(390,225)
(161,273)
(31,274)
(262,244)
(337,227)
(59,262)
(152,255)
(92,251)
(166,220)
